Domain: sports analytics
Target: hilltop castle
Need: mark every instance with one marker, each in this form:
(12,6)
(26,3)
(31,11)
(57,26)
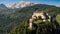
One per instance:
(39,15)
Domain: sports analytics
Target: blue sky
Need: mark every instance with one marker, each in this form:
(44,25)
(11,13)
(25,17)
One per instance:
(50,2)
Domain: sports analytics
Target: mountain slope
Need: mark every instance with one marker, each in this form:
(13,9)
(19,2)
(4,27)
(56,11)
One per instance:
(7,22)
(42,28)
(3,7)
(27,12)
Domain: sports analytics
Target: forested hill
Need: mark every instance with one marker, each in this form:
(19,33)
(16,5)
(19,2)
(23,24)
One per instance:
(42,28)
(10,21)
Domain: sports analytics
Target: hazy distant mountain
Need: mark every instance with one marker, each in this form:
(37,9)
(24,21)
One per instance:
(3,7)
(5,10)
(20,5)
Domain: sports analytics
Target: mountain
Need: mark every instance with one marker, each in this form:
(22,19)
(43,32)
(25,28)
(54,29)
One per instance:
(5,10)
(21,5)
(40,27)
(3,7)
(9,21)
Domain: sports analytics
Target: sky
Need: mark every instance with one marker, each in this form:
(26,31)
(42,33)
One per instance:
(49,2)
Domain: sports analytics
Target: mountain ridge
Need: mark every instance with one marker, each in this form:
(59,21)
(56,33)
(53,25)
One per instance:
(3,7)
(21,4)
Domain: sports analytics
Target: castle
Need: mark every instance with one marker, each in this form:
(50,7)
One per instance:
(39,15)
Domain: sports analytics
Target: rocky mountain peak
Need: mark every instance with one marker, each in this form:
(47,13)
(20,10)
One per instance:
(21,4)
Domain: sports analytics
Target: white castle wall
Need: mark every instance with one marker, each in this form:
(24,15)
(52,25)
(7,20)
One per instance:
(36,16)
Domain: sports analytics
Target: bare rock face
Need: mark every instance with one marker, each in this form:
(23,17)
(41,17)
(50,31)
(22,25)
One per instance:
(39,15)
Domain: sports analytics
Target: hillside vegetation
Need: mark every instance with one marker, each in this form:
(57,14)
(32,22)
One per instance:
(41,28)
(15,21)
